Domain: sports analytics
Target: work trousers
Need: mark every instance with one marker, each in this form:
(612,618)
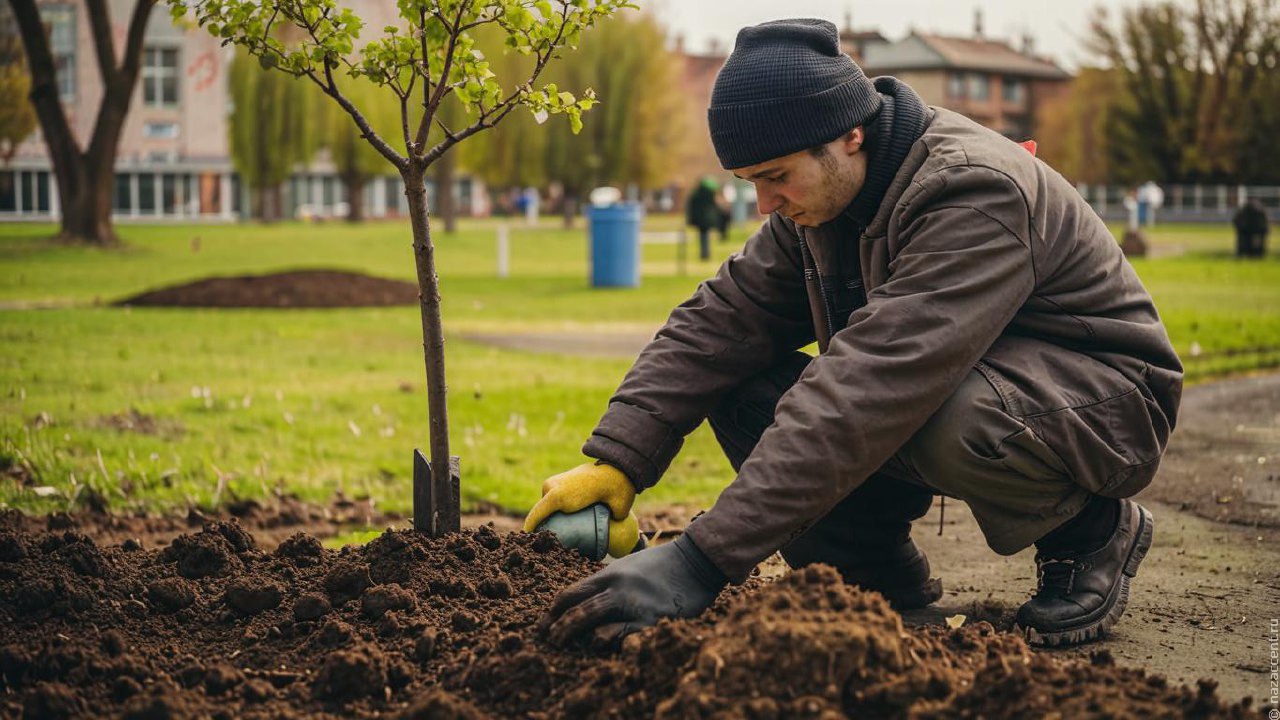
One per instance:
(972,449)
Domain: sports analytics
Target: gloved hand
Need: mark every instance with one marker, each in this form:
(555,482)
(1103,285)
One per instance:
(634,592)
(586,485)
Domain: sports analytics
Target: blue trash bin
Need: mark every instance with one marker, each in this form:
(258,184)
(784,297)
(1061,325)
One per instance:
(615,244)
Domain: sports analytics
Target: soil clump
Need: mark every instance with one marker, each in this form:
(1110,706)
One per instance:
(413,627)
(295,289)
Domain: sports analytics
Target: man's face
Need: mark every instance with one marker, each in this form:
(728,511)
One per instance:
(807,188)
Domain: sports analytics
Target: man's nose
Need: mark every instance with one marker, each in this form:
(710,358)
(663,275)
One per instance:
(767,202)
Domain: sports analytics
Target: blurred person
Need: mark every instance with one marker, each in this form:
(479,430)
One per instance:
(702,212)
(980,337)
(1252,227)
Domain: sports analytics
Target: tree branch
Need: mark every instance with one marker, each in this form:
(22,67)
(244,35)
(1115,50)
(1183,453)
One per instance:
(330,88)
(100,29)
(442,87)
(63,149)
(505,106)
(443,146)
(133,44)
(118,93)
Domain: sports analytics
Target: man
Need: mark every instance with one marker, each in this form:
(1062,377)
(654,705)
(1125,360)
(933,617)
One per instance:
(702,212)
(981,336)
(1252,226)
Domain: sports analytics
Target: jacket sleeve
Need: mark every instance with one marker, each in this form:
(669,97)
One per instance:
(962,269)
(736,324)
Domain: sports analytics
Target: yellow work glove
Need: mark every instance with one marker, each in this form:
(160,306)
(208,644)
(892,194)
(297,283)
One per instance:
(623,535)
(584,486)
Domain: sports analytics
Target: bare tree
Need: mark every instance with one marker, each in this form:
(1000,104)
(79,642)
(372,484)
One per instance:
(85,174)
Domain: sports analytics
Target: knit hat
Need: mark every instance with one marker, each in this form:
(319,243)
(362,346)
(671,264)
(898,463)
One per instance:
(786,87)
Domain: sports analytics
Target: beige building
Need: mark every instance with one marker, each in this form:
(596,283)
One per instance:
(984,78)
(173,161)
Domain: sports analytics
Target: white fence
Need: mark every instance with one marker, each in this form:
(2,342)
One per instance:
(1185,203)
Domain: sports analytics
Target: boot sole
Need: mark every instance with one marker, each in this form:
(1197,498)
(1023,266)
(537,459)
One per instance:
(1119,597)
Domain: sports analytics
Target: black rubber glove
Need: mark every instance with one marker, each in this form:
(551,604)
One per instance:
(634,592)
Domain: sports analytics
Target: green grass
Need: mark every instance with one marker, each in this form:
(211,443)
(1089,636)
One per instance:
(251,402)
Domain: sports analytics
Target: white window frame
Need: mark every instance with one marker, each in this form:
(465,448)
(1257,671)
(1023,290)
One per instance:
(155,72)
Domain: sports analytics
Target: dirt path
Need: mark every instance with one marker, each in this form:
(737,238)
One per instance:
(1203,600)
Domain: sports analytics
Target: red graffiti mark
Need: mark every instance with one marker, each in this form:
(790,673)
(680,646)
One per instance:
(204,69)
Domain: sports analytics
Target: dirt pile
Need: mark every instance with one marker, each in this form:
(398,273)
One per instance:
(297,289)
(411,627)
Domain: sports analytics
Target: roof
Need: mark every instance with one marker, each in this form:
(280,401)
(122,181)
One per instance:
(925,51)
(848,34)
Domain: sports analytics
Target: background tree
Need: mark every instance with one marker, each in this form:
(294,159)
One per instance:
(639,137)
(85,175)
(428,56)
(1259,115)
(511,156)
(273,127)
(355,160)
(17,117)
(1073,129)
(1186,74)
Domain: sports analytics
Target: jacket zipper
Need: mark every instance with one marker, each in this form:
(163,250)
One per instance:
(811,272)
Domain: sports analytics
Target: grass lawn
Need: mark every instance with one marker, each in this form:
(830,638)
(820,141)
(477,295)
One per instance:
(242,403)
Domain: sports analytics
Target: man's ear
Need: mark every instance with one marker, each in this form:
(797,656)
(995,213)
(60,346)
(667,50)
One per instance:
(852,141)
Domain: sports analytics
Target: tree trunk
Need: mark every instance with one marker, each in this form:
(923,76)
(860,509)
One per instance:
(433,355)
(86,207)
(84,177)
(272,203)
(354,183)
(445,167)
(569,206)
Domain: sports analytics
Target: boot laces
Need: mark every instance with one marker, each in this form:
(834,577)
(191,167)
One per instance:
(1056,576)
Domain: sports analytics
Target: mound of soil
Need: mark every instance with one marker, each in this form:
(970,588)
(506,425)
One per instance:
(298,289)
(414,627)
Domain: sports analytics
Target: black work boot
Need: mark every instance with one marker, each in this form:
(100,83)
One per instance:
(900,573)
(1080,595)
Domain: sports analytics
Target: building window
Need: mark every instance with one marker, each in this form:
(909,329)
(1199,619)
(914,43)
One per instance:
(979,87)
(123,193)
(8,192)
(168,194)
(160,77)
(1013,90)
(160,130)
(147,193)
(61,21)
(955,86)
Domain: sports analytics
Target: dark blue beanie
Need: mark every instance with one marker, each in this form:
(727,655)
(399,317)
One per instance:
(786,87)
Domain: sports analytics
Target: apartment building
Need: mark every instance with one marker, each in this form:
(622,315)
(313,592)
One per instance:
(983,78)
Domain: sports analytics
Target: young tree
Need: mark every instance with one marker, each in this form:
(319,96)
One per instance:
(430,56)
(272,128)
(84,175)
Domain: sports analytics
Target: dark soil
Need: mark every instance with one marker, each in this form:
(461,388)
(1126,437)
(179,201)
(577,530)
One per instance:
(297,289)
(411,627)
(271,522)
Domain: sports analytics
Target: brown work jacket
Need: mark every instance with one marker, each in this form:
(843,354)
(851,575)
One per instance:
(980,257)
